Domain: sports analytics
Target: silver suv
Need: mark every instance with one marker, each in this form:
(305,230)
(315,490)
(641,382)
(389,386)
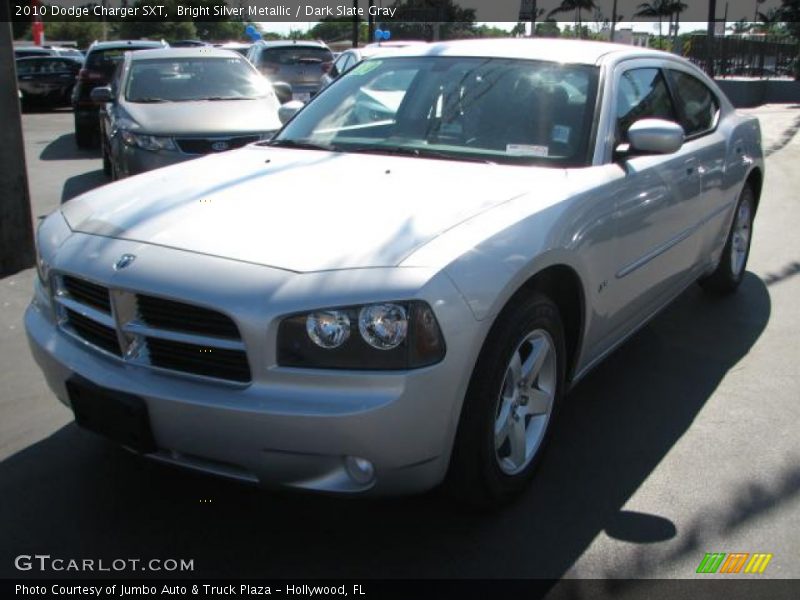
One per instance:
(301,64)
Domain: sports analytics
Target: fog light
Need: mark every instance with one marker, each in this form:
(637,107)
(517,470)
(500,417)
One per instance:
(360,469)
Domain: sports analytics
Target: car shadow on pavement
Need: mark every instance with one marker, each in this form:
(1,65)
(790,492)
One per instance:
(65,148)
(79,184)
(73,495)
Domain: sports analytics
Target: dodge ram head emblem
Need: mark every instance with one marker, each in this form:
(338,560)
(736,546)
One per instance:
(124,261)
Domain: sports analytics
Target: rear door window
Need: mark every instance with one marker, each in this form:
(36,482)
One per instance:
(294,55)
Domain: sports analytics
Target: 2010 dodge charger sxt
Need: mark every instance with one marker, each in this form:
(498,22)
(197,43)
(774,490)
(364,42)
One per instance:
(399,287)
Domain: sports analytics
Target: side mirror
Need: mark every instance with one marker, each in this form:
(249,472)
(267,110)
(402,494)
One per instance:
(655,136)
(288,110)
(101,95)
(283,91)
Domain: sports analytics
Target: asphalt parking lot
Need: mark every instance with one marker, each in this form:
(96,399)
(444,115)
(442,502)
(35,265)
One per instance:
(685,441)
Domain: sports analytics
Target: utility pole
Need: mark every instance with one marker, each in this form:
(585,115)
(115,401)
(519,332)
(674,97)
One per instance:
(16,224)
(370,22)
(613,22)
(712,22)
(356,23)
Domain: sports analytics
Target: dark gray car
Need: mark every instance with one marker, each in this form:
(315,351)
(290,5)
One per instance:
(300,64)
(167,106)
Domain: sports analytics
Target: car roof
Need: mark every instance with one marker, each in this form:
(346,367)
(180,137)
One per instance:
(191,52)
(548,49)
(127,43)
(74,59)
(284,43)
(395,44)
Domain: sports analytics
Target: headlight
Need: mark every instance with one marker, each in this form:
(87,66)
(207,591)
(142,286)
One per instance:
(383,326)
(328,329)
(42,268)
(391,335)
(153,143)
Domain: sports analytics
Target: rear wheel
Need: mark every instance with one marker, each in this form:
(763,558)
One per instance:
(510,405)
(729,273)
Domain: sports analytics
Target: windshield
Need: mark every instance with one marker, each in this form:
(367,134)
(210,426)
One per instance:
(106,61)
(492,109)
(187,79)
(294,55)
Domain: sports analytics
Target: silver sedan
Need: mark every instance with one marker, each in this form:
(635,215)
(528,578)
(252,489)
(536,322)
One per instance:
(401,287)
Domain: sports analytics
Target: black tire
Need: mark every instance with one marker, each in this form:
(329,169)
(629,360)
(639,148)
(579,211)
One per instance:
(475,476)
(725,279)
(106,163)
(84,137)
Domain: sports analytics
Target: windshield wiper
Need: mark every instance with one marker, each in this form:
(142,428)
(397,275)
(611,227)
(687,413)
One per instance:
(302,145)
(219,98)
(416,152)
(149,100)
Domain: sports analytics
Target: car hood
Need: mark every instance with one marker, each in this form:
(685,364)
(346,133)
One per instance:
(301,210)
(204,117)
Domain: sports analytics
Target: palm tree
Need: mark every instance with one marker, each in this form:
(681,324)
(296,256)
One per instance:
(574,5)
(769,20)
(676,7)
(740,26)
(654,8)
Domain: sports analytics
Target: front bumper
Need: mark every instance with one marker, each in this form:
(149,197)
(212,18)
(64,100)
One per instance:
(132,160)
(290,427)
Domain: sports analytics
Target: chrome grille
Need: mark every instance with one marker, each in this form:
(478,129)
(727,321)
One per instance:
(151,331)
(93,332)
(177,316)
(87,292)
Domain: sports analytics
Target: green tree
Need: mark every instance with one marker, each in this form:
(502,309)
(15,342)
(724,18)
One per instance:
(790,13)
(488,31)
(422,19)
(83,33)
(176,28)
(675,8)
(739,27)
(548,29)
(517,31)
(576,6)
(220,31)
(770,22)
(655,8)
(299,34)
(334,30)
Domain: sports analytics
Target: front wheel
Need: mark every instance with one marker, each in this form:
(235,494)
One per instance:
(107,168)
(729,273)
(84,137)
(510,404)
